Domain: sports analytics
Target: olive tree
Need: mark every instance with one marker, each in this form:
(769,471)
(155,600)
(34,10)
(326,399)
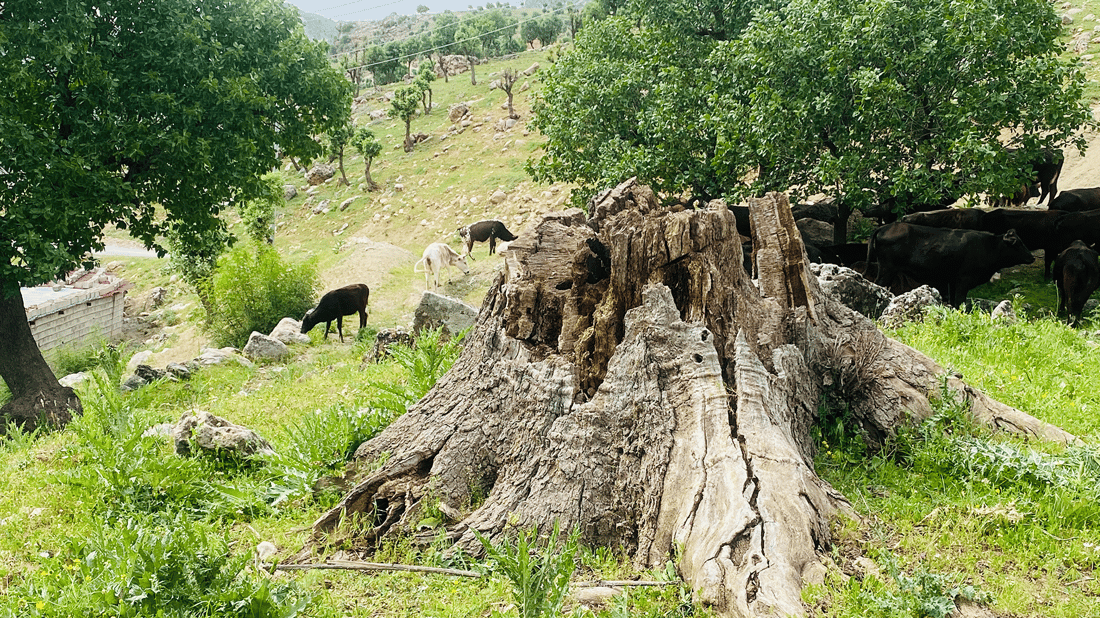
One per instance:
(152,117)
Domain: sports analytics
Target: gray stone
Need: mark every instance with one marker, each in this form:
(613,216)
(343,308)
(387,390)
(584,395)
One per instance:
(1004,312)
(133,383)
(74,380)
(816,233)
(385,338)
(290,192)
(438,311)
(498,196)
(320,173)
(157,296)
(595,597)
(457,111)
(289,331)
(179,371)
(260,346)
(141,358)
(212,356)
(215,434)
(852,290)
(910,306)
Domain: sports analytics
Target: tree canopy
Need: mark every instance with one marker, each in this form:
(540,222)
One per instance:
(150,116)
(864,99)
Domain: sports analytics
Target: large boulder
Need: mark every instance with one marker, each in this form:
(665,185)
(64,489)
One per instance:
(910,306)
(320,173)
(816,233)
(457,112)
(216,435)
(260,346)
(438,311)
(289,331)
(851,289)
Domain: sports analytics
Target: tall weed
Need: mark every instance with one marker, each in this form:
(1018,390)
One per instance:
(425,362)
(539,575)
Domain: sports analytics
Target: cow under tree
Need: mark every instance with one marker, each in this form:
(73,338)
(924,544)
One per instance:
(1077,200)
(955,218)
(334,305)
(1077,274)
(1037,228)
(1046,168)
(671,423)
(952,261)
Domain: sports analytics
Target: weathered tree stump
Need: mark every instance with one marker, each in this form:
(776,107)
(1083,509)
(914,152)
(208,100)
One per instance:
(627,379)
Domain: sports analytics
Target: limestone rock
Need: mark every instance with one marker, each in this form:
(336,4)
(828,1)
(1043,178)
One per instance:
(289,331)
(261,346)
(213,356)
(320,173)
(1004,312)
(438,311)
(910,306)
(179,371)
(852,290)
(74,379)
(213,433)
(457,112)
(290,192)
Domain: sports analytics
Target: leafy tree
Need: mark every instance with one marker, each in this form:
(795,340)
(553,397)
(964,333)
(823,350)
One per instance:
(405,101)
(443,39)
(422,9)
(258,214)
(368,145)
(508,80)
(425,75)
(893,102)
(338,138)
(383,64)
(148,116)
(468,43)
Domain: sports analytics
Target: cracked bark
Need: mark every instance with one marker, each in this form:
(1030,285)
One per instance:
(627,379)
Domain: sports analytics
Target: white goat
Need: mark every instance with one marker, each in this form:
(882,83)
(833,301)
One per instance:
(438,256)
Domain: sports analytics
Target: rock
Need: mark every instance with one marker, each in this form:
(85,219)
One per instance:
(525,87)
(150,374)
(438,311)
(160,430)
(212,356)
(289,331)
(320,173)
(814,574)
(344,205)
(852,290)
(1004,312)
(531,70)
(290,192)
(816,233)
(385,338)
(321,207)
(74,380)
(595,597)
(910,306)
(157,296)
(260,346)
(215,434)
(179,371)
(498,196)
(141,358)
(132,383)
(457,111)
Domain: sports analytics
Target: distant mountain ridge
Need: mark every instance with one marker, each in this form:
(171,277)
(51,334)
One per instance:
(319,28)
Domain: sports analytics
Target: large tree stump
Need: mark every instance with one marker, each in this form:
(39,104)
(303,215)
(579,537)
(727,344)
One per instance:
(627,379)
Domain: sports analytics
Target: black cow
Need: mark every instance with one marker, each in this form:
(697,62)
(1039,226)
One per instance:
(481,231)
(1037,228)
(334,305)
(1043,168)
(1077,274)
(1077,200)
(955,218)
(845,255)
(952,261)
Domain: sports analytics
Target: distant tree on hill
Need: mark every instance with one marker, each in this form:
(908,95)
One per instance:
(425,75)
(443,39)
(406,100)
(149,117)
(422,9)
(368,145)
(507,80)
(383,64)
(468,44)
(338,138)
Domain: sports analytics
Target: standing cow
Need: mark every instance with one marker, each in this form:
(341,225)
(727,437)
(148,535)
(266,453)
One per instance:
(1037,228)
(1077,200)
(1077,274)
(952,261)
(334,305)
(437,257)
(481,231)
(1042,168)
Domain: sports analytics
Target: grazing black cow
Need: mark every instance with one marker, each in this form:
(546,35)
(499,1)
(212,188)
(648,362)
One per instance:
(1077,273)
(334,305)
(481,231)
(955,218)
(952,261)
(1037,228)
(1077,200)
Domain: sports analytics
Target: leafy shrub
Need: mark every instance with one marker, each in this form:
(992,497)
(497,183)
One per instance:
(152,566)
(426,361)
(921,595)
(253,289)
(539,576)
(100,354)
(317,444)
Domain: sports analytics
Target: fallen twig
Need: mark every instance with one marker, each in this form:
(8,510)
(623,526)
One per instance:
(615,583)
(354,565)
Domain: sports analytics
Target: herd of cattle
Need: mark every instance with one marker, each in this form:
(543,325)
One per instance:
(957,249)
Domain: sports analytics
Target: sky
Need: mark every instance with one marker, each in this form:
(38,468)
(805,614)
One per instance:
(372,10)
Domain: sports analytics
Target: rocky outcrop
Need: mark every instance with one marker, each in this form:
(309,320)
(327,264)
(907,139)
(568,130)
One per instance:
(438,311)
(214,434)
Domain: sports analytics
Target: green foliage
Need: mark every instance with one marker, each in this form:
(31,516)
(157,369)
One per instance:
(921,595)
(406,100)
(153,126)
(258,214)
(253,289)
(539,575)
(369,148)
(88,356)
(429,358)
(164,566)
(318,444)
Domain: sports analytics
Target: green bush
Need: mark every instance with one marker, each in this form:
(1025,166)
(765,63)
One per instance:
(252,289)
(539,576)
(426,361)
(160,566)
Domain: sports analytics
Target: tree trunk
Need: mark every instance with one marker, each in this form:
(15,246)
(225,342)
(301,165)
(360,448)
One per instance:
(473,76)
(408,134)
(37,397)
(627,379)
(371,185)
(343,176)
